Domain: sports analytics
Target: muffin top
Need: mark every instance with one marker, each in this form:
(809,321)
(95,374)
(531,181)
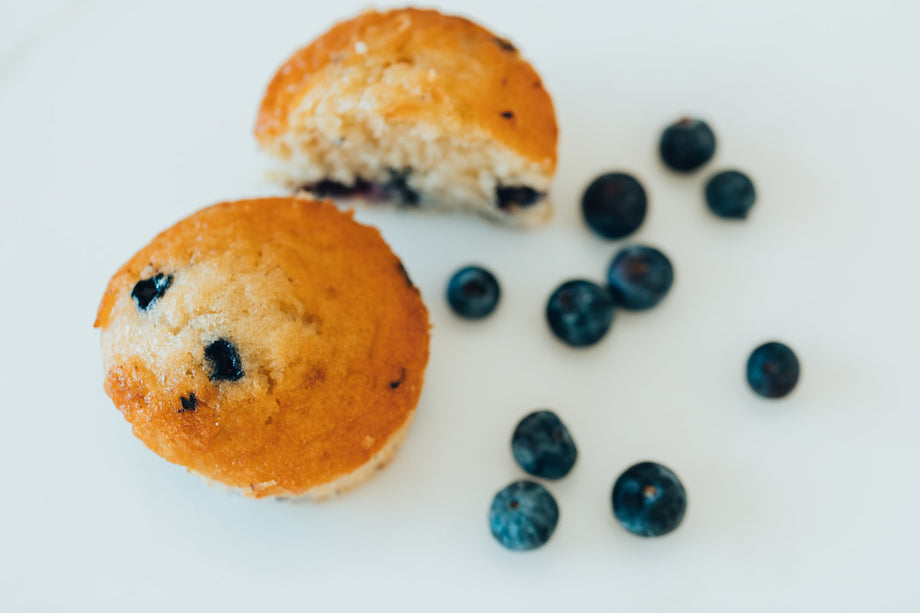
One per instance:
(273,345)
(430,68)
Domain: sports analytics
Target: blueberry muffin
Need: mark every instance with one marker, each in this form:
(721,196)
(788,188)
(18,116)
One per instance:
(415,107)
(275,346)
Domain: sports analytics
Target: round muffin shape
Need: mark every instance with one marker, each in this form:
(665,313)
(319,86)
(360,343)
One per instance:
(284,357)
(414,107)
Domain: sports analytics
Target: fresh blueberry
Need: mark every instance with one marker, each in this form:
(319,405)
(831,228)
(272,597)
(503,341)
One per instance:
(523,516)
(543,447)
(687,144)
(145,292)
(614,205)
(639,277)
(730,194)
(579,312)
(512,196)
(648,499)
(473,292)
(773,370)
(226,364)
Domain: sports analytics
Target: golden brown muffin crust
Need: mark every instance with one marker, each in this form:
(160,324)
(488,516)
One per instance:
(477,79)
(332,336)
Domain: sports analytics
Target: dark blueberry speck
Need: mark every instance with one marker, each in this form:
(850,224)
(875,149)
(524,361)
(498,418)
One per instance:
(730,194)
(543,447)
(523,516)
(516,196)
(505,44)
(405,273)
(649,500)
(473,292)
(147,291)
(397,187)
(580,312)
(687,144)
(226,364)
(328,188)
(402,377)
(188,404)
(640,277)
(773,370)
(507,114)
(614,205)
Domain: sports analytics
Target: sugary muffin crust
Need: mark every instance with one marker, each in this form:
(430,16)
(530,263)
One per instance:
(275,346)
(416,107)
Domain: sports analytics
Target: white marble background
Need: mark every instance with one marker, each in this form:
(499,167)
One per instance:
(117,118)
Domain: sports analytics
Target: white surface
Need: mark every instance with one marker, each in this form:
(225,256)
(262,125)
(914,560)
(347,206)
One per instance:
(117,119)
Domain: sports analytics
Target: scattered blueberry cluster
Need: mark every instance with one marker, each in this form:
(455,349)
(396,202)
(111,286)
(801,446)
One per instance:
(648,499)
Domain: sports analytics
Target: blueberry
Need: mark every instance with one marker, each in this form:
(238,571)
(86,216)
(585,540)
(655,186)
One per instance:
(640,277)
(773,370)
(188,404)
(226,364)
(397,187)
(145,292)
(543,447)
(730,194)
(399,381)
(329,188)
(523,516)
(579,312)
(687,144)
(614,205)
(513,196)
(473,292)
(648,499)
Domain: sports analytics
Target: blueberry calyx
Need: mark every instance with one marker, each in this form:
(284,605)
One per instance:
(649,500)
(523,516)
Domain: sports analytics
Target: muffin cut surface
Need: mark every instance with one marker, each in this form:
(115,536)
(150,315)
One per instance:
(415,107)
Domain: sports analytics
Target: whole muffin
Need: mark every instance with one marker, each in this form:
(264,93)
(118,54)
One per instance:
(415,107)
(275,346)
